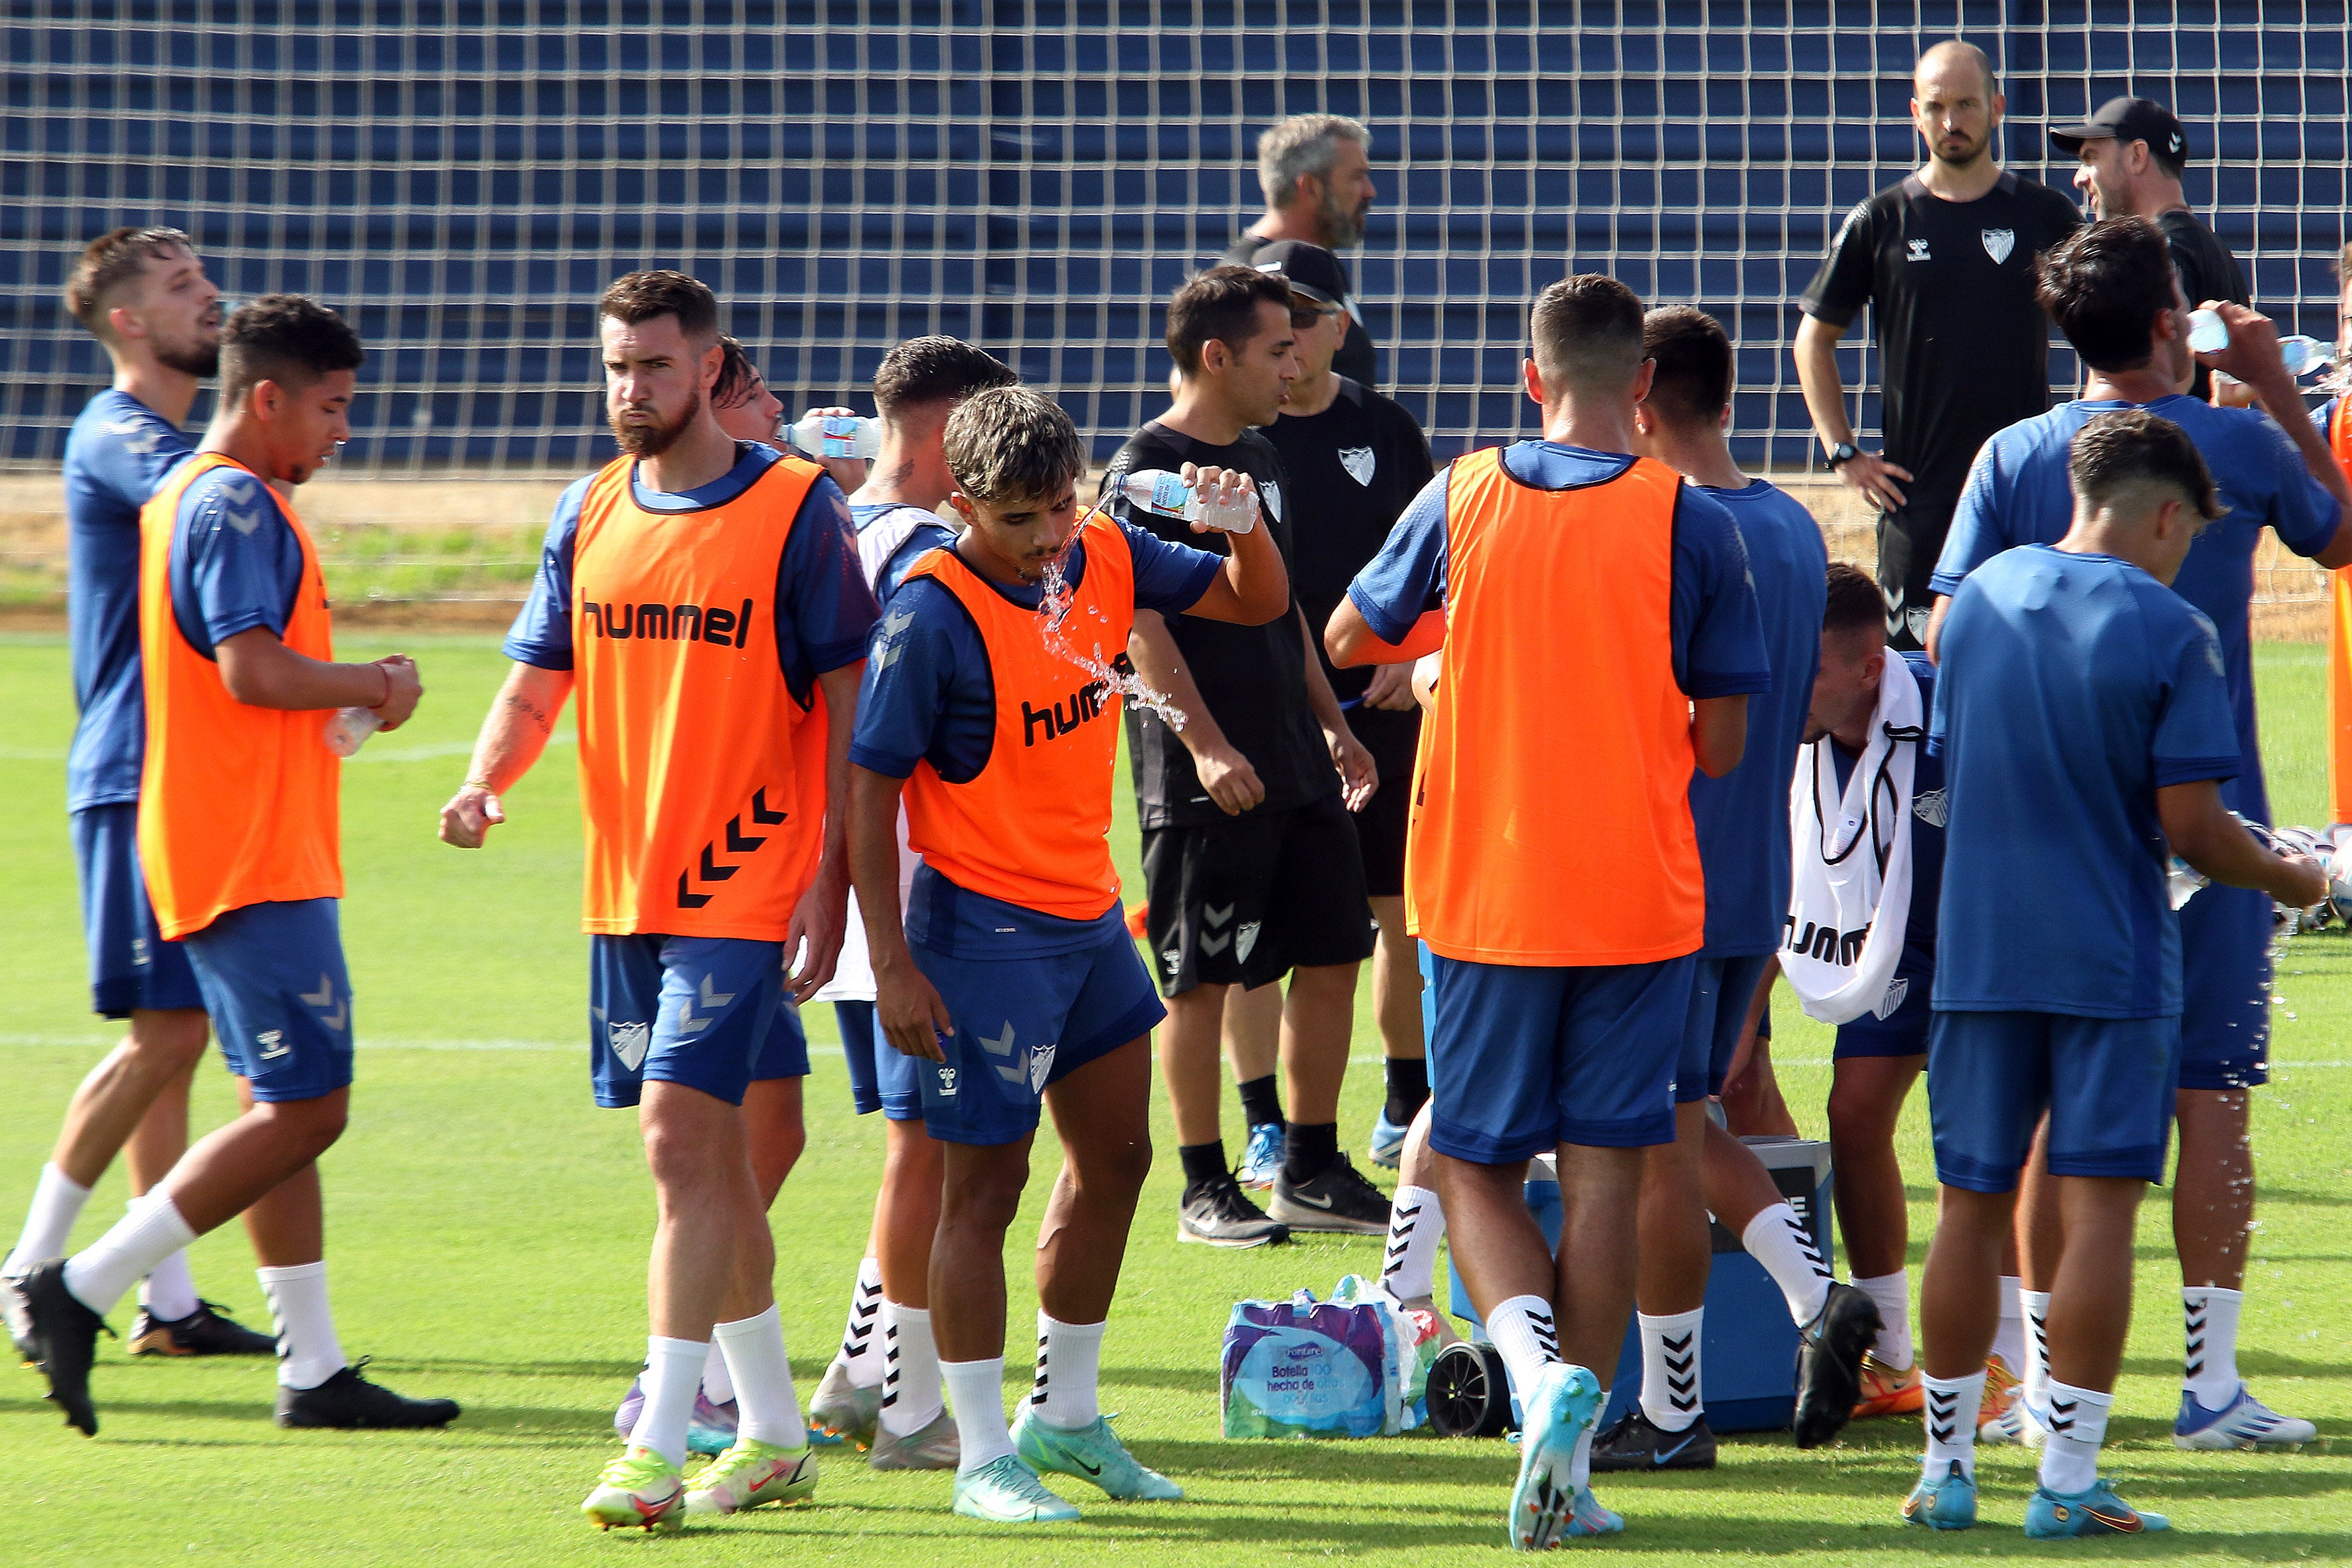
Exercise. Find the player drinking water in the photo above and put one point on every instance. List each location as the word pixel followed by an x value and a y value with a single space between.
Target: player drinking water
pixel 1012 978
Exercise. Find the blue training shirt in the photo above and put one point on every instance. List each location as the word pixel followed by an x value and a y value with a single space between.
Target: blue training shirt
pixel 117 454
pixel 928 696
pixel 1929 803
pixel 825 607
pixel 1718 639
pixel 2074 688
pixel 2017 494
pixel 236 563
pixel 1742 817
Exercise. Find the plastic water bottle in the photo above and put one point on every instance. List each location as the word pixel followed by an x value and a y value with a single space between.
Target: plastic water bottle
pixel 348 730
pixel 837 435
pixel 2209 335
pixel 1166 494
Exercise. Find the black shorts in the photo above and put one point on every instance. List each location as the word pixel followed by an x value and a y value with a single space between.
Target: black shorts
pixel 1392 738
pixel 1244 900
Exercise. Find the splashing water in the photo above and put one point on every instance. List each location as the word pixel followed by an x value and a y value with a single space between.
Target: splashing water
pixel 1052 624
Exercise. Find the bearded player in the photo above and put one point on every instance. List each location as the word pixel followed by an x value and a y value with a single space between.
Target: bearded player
pixel 701 597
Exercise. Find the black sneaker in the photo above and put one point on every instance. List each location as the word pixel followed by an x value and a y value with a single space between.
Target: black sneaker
pixel 1829 1364
pixel 207 1331
pixel 64 1340
pixel 350 1400
pixel 1337 1200
pixel 1634 1444
pixel 1217 1212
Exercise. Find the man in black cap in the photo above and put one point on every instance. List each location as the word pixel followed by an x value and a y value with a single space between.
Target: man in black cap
pixel 1946 259
pixel 1316 171
pixel 2133 152
pixel 1354 458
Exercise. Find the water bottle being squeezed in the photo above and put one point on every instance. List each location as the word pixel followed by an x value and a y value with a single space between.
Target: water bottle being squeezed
pixel 348 730
pixel 2209 335
pixel 1167 495
pixel 837 435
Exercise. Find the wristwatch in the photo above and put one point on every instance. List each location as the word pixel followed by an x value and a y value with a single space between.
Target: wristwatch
pixel 1839 453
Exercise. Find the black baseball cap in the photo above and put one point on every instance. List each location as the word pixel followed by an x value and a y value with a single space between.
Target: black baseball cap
pixel 2127 119
pixel 1308 270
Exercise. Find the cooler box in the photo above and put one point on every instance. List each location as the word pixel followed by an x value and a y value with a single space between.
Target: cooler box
pixel 1748 1347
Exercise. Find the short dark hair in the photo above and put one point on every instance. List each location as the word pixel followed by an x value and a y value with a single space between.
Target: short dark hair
pixel 934 370
pixel 2104 285
pixel 1586 332
pixel 108 263
pixel 1007 442
pixel 1219 304
pixel 2131 447
pixel 290 339
pixel 1854 602
pixel 737 374
pixel 639 297
pixel 1693 382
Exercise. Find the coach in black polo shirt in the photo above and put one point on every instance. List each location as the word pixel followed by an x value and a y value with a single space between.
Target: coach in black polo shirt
pixel 2132 153
pixel 1947 261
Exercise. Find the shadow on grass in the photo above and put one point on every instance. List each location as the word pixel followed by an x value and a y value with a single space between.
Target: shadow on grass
pixel 2251 1363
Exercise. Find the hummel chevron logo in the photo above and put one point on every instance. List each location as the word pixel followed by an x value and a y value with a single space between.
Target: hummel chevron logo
pixel 712 870
pixel 2061 1415
pixel 688 1024
pixel 342 1015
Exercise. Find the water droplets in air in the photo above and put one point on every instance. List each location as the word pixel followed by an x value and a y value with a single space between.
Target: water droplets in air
pixel 1052 618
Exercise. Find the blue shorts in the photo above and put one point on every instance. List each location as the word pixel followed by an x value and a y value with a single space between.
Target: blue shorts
pixel 273 979
pixel 131 967
pixel 708 1012
pixel 1902 1032
pixel 881 1077
pixel 2225 989
pixel 1721 989
pixel 1021 1026
pixel 2107 1083
pixel 1522 1060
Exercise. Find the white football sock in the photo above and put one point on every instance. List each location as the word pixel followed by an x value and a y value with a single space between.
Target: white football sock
pixel 1579 1463
pixel 767 1410
pixel 2209 1315
pixel 1670 1385
pixel 169 1291
pixel 1778 1240
pixel 307 1351
pixel 911 1395
pixel 1528 1339
pixel 2078 1424
pixel 861 1341
pixel 2009 1339
pixel 1416 1224
pixel 1891 1294
pixel 2035 1306
pixel 717 1383
pixel 1950 1416
pixel 673 1372
pixel 56 1204
pixel 103 1271
pixel 1069 1368
pixel 976 1393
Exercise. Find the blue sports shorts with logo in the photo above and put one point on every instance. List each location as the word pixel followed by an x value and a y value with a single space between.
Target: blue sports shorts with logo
pixel 708 1012
pixel 2107 1083
pixel 1721 989
pixel 881 1077
pixel 131 967
pixel 2225 989
pixel 1904 1031
pixel 1522 1059
pixel 1023 1024
pixel 273 980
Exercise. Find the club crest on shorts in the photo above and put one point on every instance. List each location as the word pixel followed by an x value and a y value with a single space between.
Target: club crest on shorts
pixel 1359 462
pixel 1896 989
pixel 1245 939
pixel 1998 242
pixel 1932 807
pixel 1040 1065
pixel 629 1042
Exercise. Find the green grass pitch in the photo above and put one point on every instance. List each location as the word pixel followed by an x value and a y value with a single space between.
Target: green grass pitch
pixel 488 1232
